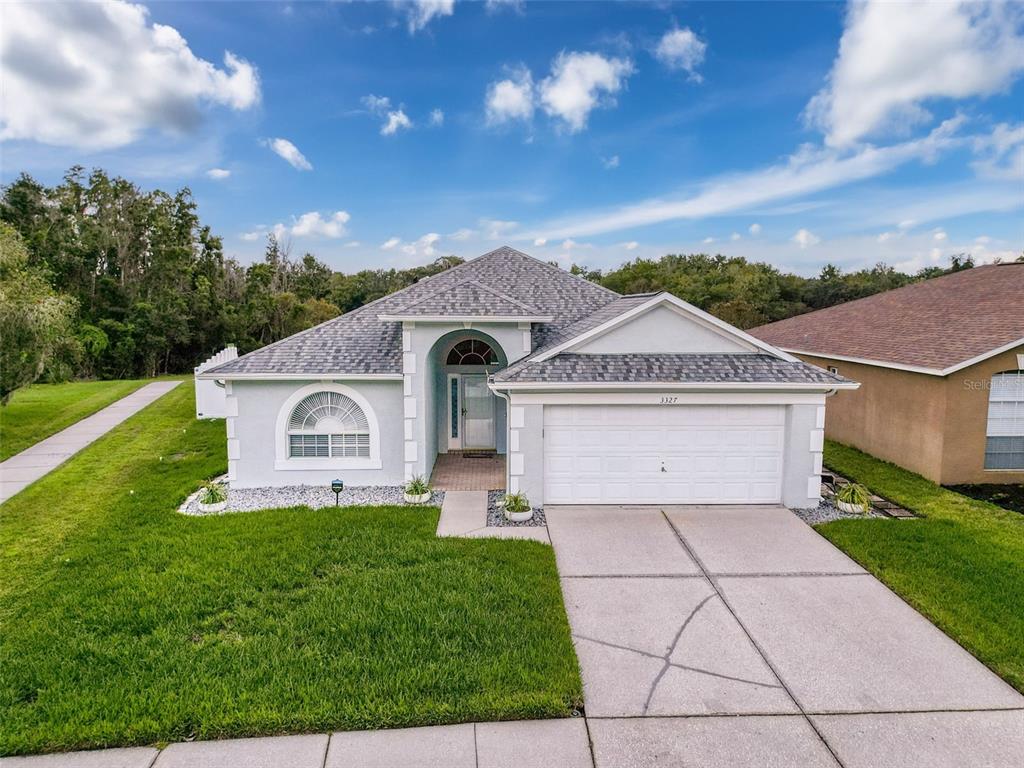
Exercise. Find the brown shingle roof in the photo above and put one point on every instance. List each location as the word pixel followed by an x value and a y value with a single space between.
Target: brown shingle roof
pixel 937 324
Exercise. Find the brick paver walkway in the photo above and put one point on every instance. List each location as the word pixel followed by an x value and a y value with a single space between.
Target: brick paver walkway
pixel 455 472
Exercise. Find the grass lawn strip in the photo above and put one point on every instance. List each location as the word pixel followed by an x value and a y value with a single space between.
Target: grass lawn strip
pixel 34 413
pixel 962 565
pixel 126 623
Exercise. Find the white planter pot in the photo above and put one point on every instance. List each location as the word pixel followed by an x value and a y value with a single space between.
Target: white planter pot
pixel 418 498
pixel 518 517
pixel 850 509
pixel 220 506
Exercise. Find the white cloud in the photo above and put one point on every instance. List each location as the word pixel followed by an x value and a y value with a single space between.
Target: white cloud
pixel 568 244
pixel 1001 154
pixel 708 240
pixel 100 75
pixel 288 151
pixel 422 247
pixel 496 6
pixel 312 224
pixel 252 236
pixel 893 57
pixel 510 99
pixel 906 224
pixel 610 162
pixel 436 117
pixel 353 244
pixel 755 229
pixel 809 170
pixel 461 234
pixel 735 236
pixel 632 245
pixel 681 49
pixel 579 83
pixel 805 238
pixel 390 243
pixel 419 13
pixel 939 235
pixel 396 122
pixel 495 229
pixel 540 241
pixel 217 174
pixel 377 105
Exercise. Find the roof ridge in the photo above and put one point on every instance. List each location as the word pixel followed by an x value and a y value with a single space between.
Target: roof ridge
pixel 469 281
pixel 552 266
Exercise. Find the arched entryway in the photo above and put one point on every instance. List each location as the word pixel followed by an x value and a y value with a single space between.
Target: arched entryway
pixel 469 419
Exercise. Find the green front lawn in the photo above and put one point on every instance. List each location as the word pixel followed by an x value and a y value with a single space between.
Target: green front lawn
pixel 126 623
pixel 962 565
pixel 36 412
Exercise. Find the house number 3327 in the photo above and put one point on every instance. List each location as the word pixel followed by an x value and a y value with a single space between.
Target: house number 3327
pixel 669 399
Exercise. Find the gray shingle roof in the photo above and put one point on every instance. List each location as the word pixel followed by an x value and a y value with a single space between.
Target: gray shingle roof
pixel 470 298
pixel 359 343
pixel 698 368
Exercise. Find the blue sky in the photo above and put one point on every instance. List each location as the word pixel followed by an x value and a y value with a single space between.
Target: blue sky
pixel 387 134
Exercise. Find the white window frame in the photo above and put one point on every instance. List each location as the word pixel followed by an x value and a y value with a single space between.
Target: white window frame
pixel 1016 429
pixel 283 461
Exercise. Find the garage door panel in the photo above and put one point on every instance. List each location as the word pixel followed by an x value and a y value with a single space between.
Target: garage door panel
pixel 672 454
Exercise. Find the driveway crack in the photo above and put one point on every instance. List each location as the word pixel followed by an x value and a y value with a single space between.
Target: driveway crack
pixel 671 649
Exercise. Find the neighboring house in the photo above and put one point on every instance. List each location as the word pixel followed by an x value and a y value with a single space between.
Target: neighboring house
pixel 941 365
pixel 594 397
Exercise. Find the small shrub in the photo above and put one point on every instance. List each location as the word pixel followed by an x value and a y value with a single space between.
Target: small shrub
pixel 856 494
pixel 213 493
pixel 516 502
pixel 417 486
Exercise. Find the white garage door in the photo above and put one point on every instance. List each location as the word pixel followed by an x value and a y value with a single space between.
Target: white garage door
pixel 672 454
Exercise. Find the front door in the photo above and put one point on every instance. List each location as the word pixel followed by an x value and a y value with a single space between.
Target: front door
pixel 477 412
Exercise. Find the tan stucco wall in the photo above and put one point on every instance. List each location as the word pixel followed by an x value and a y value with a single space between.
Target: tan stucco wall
pixel 967 393
pixel 895 415
pixel 931 425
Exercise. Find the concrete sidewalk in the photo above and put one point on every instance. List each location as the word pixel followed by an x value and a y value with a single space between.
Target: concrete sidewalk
pixel 514 744
pixel 23 469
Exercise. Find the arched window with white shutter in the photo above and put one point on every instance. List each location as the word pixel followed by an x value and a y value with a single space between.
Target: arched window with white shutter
pixel 327 426
pixel 1004 437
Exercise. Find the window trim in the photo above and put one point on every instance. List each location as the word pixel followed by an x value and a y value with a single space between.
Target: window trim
pixel 284 462
pixel 988 418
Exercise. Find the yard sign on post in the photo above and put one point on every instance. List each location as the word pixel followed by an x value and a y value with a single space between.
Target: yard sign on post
pixel 211 400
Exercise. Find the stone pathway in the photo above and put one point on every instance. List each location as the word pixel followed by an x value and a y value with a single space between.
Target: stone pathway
pixel 23 469
pixel 464 514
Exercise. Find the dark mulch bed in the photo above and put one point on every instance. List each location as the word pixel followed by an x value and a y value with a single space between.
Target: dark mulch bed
pixel 1007 496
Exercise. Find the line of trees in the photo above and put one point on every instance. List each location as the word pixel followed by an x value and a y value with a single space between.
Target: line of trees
pixel 101 279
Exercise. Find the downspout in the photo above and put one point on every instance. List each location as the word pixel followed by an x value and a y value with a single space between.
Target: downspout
pixel 508 431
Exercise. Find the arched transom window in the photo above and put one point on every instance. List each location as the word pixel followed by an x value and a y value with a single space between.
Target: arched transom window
pixel 326 425
pixel 1004 441
pixel 472 352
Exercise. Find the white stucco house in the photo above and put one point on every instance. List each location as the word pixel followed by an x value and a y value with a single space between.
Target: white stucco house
pixel 593 397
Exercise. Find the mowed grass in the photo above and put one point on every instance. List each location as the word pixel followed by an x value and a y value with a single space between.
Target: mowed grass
pixel 125 623
pixel 34 413
pixel 962 565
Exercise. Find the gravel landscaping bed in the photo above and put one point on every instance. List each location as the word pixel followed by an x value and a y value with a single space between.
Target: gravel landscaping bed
pixel 496 517
pixel 315 497
pixel 826 512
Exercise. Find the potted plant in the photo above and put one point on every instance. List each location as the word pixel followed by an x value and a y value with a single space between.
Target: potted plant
pixel 853 498
pixel 517 507
pixel 417 491
pixel 213 498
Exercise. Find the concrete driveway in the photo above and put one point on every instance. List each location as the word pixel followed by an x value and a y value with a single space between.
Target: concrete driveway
pixel 735 636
